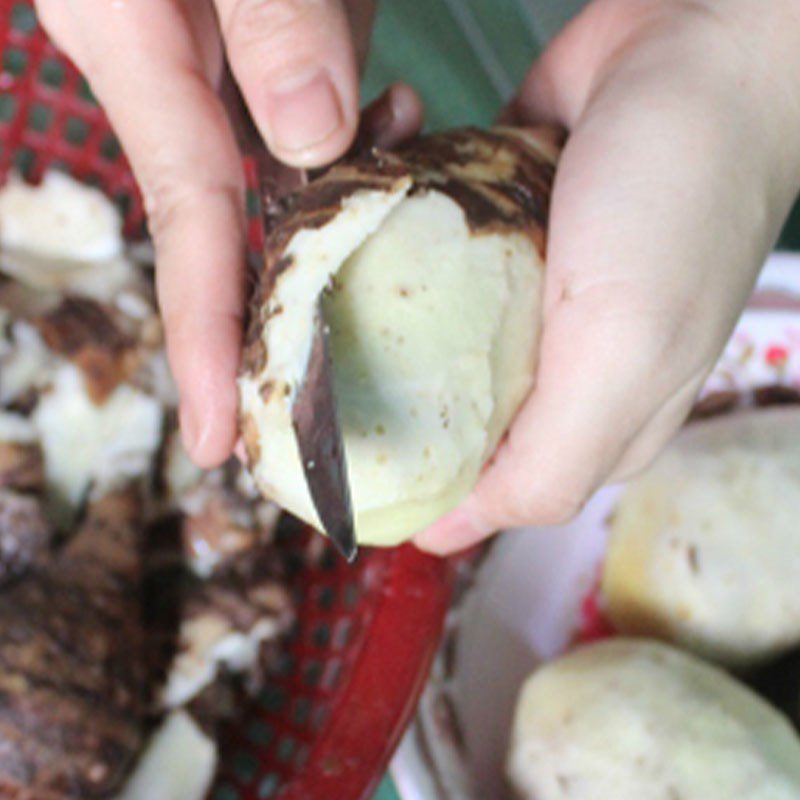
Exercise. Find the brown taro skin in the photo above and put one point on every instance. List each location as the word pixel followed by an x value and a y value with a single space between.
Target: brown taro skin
pixel 25 534
pixel 91 335
pixel 500 177
pixel 71 672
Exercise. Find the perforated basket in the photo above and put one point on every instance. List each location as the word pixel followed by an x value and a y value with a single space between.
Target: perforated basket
pixel 326 724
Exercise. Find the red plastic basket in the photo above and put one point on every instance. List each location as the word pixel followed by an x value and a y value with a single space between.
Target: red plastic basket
pixel 327 723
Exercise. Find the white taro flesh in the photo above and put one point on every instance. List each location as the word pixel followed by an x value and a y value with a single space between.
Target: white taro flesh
pixel 705 548
pixel 62 235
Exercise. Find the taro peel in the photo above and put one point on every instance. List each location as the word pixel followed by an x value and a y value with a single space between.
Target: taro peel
pixel 429 262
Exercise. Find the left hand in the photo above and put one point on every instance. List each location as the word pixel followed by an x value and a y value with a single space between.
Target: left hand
pixel 155 67
pixel 680 169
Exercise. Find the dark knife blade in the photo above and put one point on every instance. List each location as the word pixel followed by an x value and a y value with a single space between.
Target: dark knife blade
pixel 314 417
pixel 319 439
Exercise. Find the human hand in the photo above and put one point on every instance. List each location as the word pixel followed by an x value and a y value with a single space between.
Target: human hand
pixel 155 67
pixel 681 166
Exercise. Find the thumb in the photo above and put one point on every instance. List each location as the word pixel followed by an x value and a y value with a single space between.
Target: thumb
pixel 295 63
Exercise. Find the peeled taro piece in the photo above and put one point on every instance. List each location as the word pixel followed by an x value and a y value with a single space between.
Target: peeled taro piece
pixel 84 443
pixel 631 719
pixel 62 236
pixel 429 262
pixel 703 547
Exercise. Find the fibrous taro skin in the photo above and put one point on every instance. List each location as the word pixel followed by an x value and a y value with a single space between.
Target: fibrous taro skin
pixel 430 263
pixel 72 683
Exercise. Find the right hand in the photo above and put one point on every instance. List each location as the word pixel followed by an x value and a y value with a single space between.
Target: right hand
pixel 155 67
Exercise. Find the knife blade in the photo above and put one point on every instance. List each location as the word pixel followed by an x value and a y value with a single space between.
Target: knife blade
pixel 314 415
pixel 319 439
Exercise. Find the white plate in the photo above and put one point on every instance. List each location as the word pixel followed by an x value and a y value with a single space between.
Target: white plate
pixel 524 605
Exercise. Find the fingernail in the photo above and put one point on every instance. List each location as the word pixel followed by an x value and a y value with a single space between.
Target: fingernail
pixel 303 114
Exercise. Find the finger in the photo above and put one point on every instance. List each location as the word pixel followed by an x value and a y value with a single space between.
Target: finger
pixel 391 119
pixel 144 66
pixel 559 85
pixel 295 63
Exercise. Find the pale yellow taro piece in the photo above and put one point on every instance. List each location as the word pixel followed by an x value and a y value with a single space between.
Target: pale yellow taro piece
pixel 430 266
pixel 636 720
pixel 705 545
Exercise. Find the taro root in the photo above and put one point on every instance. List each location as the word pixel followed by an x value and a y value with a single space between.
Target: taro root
pixel 72 682
pixel 429 262
pixel 215 593
pixel 21 465
pixel 635 720
pixel 704 547
pixel 82 347
pixel 226 621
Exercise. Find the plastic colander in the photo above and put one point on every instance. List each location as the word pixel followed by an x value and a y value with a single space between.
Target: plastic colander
pixel 327 722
